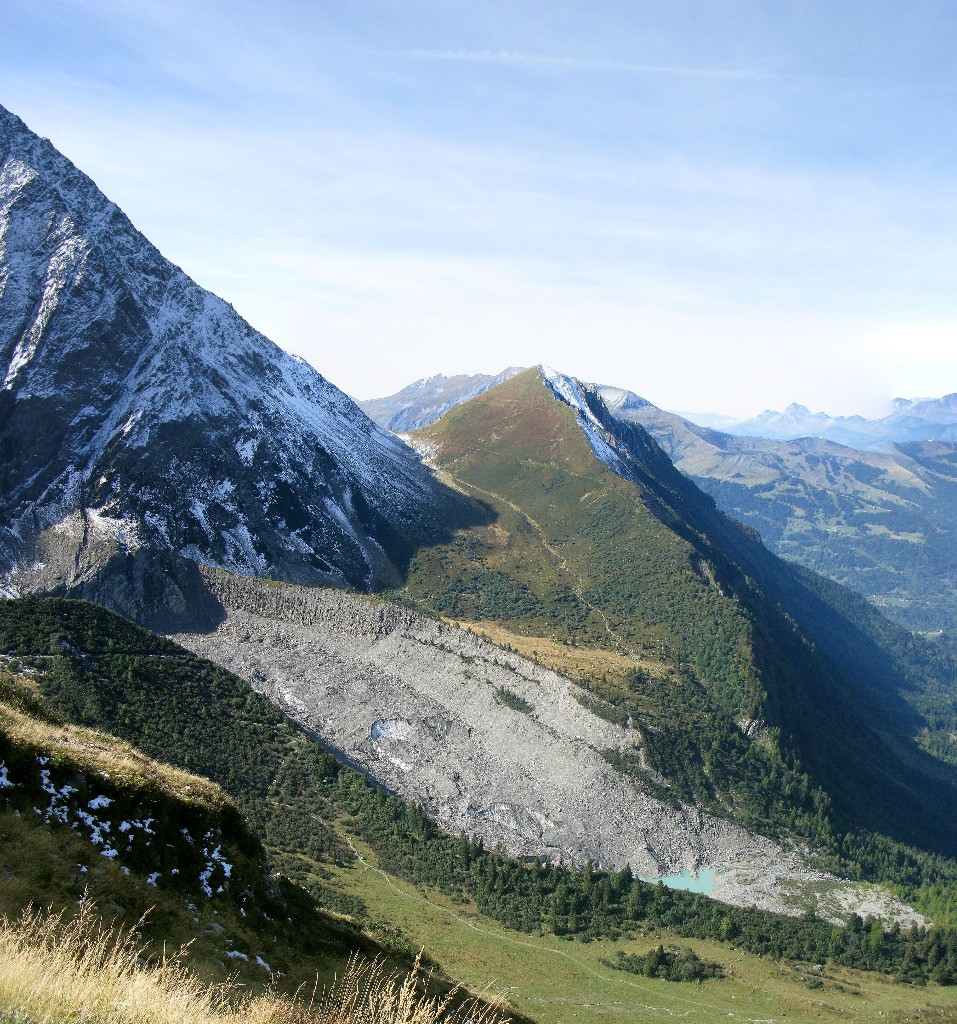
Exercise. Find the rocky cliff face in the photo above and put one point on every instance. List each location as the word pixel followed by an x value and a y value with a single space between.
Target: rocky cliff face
pixel 138 410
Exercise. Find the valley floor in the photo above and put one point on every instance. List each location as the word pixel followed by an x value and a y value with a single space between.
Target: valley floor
pixel 554 981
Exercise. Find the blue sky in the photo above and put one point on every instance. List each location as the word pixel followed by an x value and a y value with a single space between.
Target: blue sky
pixel 723 206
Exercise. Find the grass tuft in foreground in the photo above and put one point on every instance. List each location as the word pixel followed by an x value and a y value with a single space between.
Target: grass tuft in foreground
pixel 55 969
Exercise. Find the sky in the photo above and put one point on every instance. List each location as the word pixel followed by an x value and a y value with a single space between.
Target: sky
pixel 722 205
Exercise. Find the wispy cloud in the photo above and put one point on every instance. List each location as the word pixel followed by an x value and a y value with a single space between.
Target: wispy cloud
pixel 544 60
pixel 691 211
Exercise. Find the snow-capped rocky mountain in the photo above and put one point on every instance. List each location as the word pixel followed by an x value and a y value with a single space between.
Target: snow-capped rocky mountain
pixel 139 410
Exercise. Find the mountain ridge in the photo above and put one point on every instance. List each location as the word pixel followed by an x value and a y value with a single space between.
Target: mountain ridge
pixel 877 521
pixel 660 571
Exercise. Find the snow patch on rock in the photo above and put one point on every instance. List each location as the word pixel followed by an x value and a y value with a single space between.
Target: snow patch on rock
pixel 567 390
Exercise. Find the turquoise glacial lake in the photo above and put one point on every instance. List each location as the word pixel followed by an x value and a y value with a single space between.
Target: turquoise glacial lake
pixel 703 881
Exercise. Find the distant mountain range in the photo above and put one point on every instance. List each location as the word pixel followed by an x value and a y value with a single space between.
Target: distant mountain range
pixel 425 400
pixel 882 522
pixel 912 419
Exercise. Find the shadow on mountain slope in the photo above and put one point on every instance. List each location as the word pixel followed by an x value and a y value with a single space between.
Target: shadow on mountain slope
pixel 847 687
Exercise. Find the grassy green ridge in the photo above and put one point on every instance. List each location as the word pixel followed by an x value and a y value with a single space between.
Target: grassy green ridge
pixel 642 563
pixel 178 707
pixel 572 551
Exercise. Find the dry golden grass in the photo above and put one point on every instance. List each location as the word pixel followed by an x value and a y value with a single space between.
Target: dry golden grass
pixel 55 969
pixel 583 663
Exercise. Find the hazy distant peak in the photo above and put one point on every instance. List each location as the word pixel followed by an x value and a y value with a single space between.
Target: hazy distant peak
pixel 424 401
pixel 937 409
